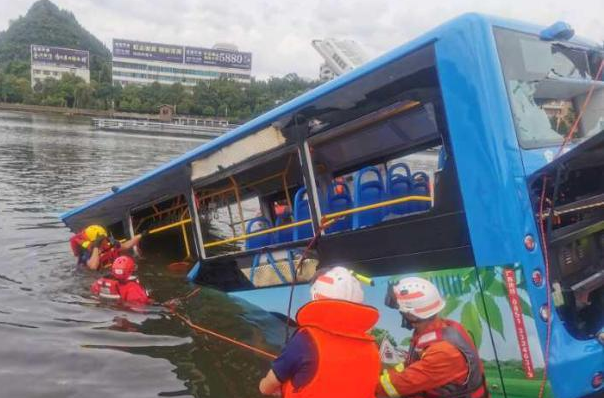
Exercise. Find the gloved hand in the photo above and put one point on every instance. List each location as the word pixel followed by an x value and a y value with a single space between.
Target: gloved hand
pixel 98 241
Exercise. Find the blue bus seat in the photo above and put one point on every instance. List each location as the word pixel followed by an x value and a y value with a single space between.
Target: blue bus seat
pixel 254 225
pixel 367 193
pixel 421 187
pixel 302 212
pixel 338 202
pixel 285 235
pixel 398 186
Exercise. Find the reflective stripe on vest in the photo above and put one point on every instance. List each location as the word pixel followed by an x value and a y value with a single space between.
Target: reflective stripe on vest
pixel 109 289
pixel 475 385
pixel 348 358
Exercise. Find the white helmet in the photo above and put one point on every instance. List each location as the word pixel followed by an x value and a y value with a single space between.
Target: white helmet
pixel 336 283
pixel 418 297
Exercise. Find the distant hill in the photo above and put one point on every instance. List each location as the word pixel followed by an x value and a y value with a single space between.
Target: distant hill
pixel 46 24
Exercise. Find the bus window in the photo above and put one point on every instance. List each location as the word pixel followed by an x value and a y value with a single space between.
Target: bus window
pixel 252 208
pixel 383 171
pixel 174 241
pixel 547 82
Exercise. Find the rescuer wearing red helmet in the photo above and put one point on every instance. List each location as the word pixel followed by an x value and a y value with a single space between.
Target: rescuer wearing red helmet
pixel 331 354
pixel 95 249
pixel 442 360
pixel 121 285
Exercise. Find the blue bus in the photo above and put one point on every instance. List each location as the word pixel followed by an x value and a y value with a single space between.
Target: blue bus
pixel 472 155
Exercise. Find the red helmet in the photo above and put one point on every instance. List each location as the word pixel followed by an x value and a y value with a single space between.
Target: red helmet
pixel 122 267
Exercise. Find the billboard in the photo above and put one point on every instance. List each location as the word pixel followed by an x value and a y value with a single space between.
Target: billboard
pixel 181 55
pixel 222 58
pixel 59 56
pixel 149 51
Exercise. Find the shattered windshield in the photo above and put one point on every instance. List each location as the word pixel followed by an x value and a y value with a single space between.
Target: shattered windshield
pixel 547 84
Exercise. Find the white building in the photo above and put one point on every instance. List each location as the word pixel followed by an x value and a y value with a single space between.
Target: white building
pixel 54 62
pixel 144 63
pixel 340 56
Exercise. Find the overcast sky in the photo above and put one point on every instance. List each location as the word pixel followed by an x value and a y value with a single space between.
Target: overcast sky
pixel 278 32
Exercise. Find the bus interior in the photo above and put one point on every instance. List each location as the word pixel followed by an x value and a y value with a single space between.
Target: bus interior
pixel 383 188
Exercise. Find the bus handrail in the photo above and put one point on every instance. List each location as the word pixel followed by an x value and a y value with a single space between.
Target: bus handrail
pixel 330 216
pixel 327 217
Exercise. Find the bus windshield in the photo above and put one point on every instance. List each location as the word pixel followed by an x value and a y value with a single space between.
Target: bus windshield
pixel 547 83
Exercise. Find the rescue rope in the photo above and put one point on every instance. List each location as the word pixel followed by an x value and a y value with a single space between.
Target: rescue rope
pixel 324 224
pixel 222 337
pixel 547 288
pixel 567 138
pixel 575 125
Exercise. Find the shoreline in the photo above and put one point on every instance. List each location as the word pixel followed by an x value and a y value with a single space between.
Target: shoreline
pixel 76 111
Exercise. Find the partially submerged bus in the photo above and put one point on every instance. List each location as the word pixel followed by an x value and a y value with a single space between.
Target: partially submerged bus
pixel 472 155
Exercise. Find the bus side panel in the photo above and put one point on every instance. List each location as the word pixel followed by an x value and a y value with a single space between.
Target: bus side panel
pixel 488 161
pixel 458 286
pixel 507 310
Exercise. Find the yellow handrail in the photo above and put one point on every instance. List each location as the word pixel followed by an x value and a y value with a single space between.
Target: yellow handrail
pixel 253 234
pixel 377 205
pixel 330 216
pixel 166 227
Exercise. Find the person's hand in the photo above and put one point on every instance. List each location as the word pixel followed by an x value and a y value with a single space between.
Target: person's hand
pixel 172 304
pixel 98 241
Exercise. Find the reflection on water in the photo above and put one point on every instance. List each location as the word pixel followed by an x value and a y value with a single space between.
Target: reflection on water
pixel 56 339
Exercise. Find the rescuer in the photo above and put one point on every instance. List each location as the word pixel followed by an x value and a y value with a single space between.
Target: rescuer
pixel 121 285
pixel 331 354
pixel 94 249
pixel 442 360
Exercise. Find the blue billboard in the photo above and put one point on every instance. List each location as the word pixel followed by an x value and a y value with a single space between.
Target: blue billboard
pixel 149 51
pixel 59 56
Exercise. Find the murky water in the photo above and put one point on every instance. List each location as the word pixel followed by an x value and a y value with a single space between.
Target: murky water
pixel 55 339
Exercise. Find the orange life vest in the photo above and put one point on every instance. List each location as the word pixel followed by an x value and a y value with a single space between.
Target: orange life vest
pixel 349 361
pixel 453 333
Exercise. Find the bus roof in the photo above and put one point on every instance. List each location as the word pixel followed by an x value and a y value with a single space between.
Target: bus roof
pixel 173 177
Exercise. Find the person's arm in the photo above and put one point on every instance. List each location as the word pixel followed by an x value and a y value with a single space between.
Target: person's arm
pixel 440 364
pixel 130 243
pixel 95 259
pixel 270 385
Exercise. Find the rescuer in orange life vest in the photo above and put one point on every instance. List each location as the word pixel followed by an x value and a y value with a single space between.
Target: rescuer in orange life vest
pixel 121 285
pixel 442 361
pixel 95 249
pixel 331 354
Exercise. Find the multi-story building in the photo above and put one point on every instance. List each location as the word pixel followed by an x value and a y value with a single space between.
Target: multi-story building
pixel 340 56
pixel 54 62
pixel 142 63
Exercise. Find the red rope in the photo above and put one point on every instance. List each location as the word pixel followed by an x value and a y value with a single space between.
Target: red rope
pixel 324 224
pixel 224 338
pixel 547 287
pixel 567 139
pixel 575 125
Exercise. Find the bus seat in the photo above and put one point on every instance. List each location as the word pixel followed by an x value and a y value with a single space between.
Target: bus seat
pixel 254 225
pixel 420 176
pixel 339 199
pixel 421 187
pixel 398 186
pixel 367 193
pixel 302 212
pixel 285 235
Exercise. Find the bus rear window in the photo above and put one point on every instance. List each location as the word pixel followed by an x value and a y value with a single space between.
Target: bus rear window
pixel 547 84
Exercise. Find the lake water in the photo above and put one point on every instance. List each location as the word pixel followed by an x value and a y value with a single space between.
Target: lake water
pixel 58 341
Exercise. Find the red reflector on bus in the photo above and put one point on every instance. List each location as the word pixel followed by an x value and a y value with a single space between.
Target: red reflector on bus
pixel 529 242
pixel 537 278
pixel 596 381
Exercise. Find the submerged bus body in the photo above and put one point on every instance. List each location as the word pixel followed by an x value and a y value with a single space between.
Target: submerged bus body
pixel 437 159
